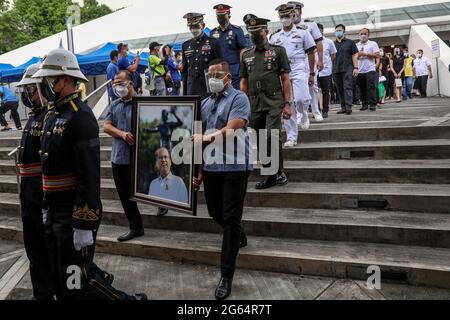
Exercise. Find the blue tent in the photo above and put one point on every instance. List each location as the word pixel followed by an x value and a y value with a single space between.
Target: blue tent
pixel 5 66
pixel 15 74
pixel 95 63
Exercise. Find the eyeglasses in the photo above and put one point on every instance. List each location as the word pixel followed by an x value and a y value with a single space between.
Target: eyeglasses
pixel 217 75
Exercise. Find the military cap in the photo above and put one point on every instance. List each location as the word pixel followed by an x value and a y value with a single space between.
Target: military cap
pixel 193 18
pixel 222 9
pixel 256 24
pixel 298 5
pixel 285 9
pixel 248 16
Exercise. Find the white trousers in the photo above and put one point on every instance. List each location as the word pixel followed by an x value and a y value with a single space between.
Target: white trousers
pixel 301 99
pixel 314 92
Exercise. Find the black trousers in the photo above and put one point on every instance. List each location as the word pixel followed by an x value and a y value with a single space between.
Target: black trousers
pixel 422 83
pixel 31 196
pixel 59 238
pixel 121 175
pixel 367 86
pixel 225 194
pixel 390 91
pixel 10 106
pixel 325 85
pixel 344 87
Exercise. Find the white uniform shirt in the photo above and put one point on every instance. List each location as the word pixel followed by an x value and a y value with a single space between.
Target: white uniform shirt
pixel 314 30
pixel 170 188
pixel 328 49
pixel 298 43
pixel 421 66
pixel 366 64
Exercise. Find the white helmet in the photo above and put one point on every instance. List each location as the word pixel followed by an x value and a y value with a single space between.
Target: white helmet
pixel 60 62
pixel 26 79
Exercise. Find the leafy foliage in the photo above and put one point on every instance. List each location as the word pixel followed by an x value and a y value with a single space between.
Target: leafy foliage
pixel 27 21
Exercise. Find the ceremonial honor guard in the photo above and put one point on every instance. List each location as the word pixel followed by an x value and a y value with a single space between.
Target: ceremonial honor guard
pixel 265 78
pixel 70 157
pixel 31 194
pixel 232 40
pixel 300 47
pixel 197 54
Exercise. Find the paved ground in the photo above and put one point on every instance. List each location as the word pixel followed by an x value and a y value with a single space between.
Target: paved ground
pixel 166 280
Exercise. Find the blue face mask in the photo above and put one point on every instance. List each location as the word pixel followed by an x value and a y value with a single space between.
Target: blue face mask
pixel 339 34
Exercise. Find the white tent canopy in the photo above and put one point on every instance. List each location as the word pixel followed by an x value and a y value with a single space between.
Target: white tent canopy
pixel 144 19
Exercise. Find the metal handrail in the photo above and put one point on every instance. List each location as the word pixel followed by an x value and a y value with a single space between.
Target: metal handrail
pixel 15 153
pixel 97 90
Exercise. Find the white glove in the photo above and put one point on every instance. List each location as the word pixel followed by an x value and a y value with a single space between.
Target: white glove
pixel 44 216
pixel 82 239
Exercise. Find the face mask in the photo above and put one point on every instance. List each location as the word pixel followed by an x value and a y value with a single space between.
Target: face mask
pixel 339 34
pixel 419 55
pixel 26 100
pixel 121 91
pixel 364 38
pixel 287 22
pixel 196 32
pixel 382 53
pixel 257 39
pixel 48 89
pixel 222 20
pixel 216 85
pixel 406 54
pixel 397 53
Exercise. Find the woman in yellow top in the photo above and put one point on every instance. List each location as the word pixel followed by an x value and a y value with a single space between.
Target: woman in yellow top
pixel 408 81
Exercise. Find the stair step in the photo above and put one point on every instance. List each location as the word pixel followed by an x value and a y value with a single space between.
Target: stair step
pixel 375 150
pixel 433 171
pixel 409 264
pixel 405 228
pixel 394 197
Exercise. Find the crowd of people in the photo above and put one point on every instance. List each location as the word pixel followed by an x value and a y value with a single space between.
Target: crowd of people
pixel 258 82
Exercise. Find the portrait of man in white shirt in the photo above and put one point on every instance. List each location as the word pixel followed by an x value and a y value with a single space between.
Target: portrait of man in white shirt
pixel 167 186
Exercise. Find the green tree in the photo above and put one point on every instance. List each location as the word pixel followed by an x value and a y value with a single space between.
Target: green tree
pixel 30 20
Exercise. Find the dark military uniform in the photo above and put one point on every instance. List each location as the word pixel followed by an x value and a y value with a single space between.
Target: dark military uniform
pixel 232 41
pixel 197 54
pixel 31 196
pixel 71 182
pixel 263 68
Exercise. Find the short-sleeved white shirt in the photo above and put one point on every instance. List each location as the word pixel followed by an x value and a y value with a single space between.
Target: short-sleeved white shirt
pixel 367 64
pixel 296 42
pixel 328 49
pixel 421 66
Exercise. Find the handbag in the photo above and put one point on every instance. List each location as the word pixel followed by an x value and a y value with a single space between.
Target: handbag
pixel 398 82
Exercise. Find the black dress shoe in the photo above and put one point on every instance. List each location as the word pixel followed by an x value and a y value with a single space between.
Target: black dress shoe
pixel 223 289
pixel 282 179
pixel 348 112
pixel 243 242
pixel 162 212
pixel 373 108
pixel 141 297
pixel 266 184
pixel 130 235
pixel 325 115
pixel 364 108
pixel 342 112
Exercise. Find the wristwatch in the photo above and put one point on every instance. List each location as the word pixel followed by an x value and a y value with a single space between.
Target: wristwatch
pixel 312 73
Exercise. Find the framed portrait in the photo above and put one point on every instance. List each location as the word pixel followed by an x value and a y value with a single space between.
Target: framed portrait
pixel 163 155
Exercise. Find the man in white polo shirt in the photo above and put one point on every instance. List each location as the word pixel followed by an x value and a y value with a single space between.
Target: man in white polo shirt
pixel 368 53
pixel 422 72
pixel 329 54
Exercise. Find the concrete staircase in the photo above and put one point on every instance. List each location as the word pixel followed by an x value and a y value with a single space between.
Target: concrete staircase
pixel 357 197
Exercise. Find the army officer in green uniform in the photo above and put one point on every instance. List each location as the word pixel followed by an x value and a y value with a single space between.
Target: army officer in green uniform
pixel 265 78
